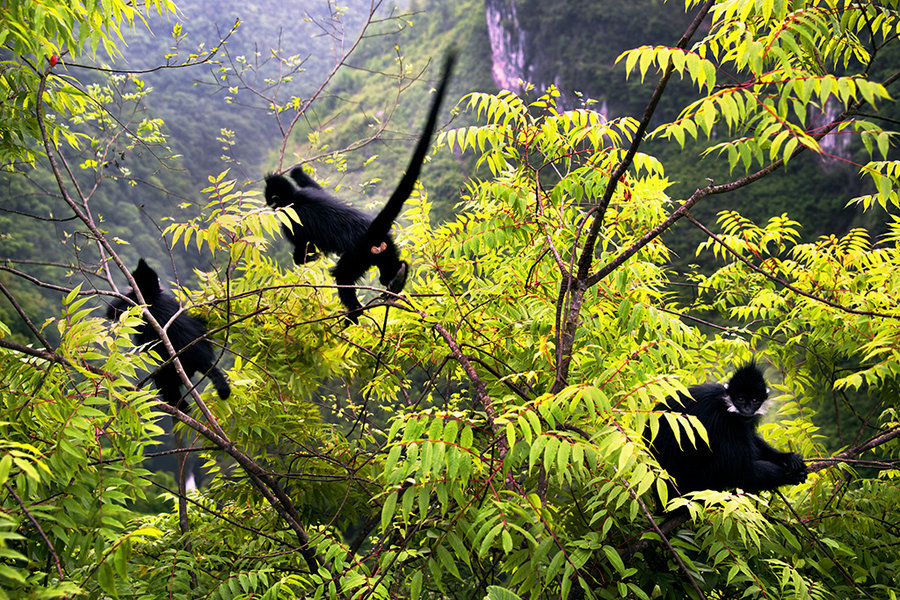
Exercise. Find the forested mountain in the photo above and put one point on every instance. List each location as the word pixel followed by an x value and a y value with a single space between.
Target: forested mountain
pixel 546 399
pixel 184 123
pixel 214 116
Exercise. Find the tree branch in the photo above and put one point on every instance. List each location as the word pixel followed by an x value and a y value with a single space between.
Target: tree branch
pixel 584 264
pixel 572 290
pixel 37 526
pixel 780 281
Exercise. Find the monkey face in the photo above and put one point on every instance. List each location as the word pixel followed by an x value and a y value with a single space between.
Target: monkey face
pixel 746 406
pixel 746 393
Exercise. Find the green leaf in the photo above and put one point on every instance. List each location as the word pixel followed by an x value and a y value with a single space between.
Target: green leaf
pixel 415 586
pixel 498 593
pixel 5 464
pixel 387 510
pixel 614 559
pixel 106 578
pixel 536 451
pixel 447 561
pixel 10 573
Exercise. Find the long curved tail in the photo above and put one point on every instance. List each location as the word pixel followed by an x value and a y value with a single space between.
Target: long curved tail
pixel 382 222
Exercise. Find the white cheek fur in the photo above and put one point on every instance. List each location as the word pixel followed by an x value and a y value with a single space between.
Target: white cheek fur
pixel 729 405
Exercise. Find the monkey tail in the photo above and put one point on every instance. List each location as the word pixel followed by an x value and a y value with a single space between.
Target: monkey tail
pixel 382 222
pixel 220 381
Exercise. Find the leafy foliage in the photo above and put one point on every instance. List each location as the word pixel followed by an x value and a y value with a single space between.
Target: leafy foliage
pixel 485 433
pixel 41 36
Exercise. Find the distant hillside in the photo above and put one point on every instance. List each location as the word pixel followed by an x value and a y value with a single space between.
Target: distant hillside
pixel 364 97
pixel 573 44
pixel 216 121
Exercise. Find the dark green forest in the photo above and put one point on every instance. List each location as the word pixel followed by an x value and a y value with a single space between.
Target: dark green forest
pixel 212 120
pixel 665 193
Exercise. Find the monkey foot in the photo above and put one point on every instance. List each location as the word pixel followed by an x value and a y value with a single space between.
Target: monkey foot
pixel 396 284
pixel 351 317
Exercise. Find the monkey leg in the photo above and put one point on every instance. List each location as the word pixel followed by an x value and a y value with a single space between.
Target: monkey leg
pixel 169 385
pixel 346 272
pixel 304 249
pixel 219 381
pixel 305 253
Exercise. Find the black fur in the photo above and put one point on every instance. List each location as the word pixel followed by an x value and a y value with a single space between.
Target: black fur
pixel 737 457
pixel 331 226
pixel 198 358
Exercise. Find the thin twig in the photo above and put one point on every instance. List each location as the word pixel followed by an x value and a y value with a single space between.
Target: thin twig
pixel 39 529
pixel 37 333
pixel 815 540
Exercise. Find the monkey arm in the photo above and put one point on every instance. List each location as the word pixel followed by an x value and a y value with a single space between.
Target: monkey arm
pixel 773 467
pixel 767 475
pixel 304 249
pixel 791 461
pixel 766 451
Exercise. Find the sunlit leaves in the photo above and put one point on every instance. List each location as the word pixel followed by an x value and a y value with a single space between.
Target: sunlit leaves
pixel 89 481
pixel 701 71
pixel 34 32
pixel 885 175
pixel 786 68
pixel 496 260
pixel 852 281
pixel 513 131
pixel 233 219
pixel 449 452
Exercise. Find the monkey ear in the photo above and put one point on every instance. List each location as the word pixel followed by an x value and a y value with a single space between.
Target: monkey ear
pixel 302 179
pixel 147 280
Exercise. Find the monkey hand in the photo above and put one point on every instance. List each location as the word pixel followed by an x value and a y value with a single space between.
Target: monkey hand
pixel 379 248
pixel 351 318
pixel 795 468
pixel 396 284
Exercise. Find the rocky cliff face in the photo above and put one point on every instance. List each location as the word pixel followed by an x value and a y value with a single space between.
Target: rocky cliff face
pixel 507 44
pixel 543 44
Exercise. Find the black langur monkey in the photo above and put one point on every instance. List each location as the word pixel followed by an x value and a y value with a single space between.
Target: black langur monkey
pixel 184 331
pixel 736 457
pixel 331 226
